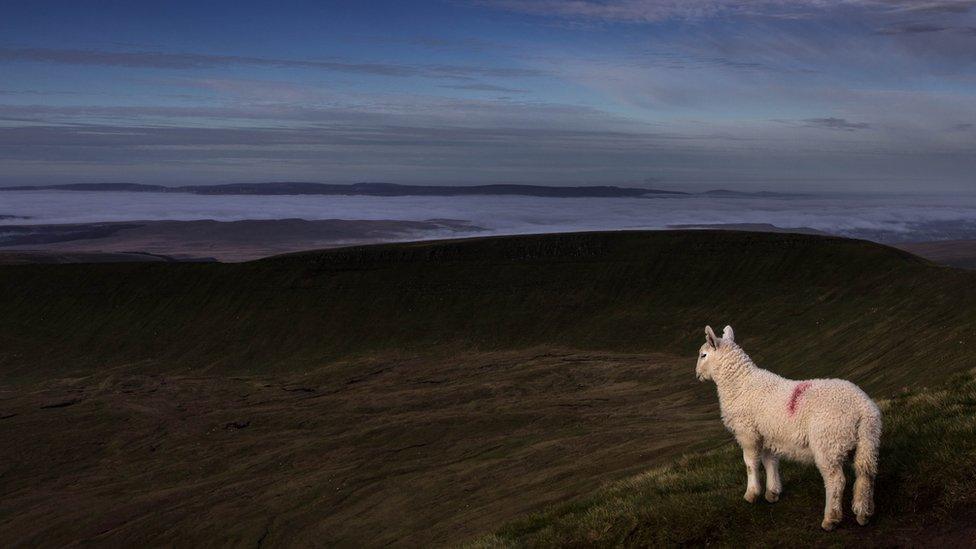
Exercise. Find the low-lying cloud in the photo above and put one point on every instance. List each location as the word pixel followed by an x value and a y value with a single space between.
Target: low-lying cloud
pixel 889 218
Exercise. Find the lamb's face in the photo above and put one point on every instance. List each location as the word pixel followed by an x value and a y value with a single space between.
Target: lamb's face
pixel 708 354
pixel 705 358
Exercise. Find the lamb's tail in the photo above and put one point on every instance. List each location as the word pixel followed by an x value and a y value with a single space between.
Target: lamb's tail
pixel 866 462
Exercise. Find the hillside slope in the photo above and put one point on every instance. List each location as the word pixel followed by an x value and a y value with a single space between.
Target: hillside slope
pixel 815 304
pixel 421 393
pixel 926 494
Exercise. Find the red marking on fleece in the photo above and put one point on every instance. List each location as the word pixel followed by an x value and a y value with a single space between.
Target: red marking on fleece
pixel 795 397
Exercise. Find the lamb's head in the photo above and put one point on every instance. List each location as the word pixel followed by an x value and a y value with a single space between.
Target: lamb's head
pixel 711 352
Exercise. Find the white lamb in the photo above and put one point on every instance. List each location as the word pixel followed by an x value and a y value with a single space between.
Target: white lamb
pixel 819 420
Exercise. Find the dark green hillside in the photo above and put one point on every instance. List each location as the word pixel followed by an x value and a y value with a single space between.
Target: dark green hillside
pixel 424 394
pixel 811 305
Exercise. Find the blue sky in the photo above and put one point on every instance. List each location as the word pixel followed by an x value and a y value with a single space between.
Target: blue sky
pixel 758 94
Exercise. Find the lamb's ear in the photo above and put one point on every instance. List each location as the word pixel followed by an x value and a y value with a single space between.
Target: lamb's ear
pixel 728 335
pixel 710 338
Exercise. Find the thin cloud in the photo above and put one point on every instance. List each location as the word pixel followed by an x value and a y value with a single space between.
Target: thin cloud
pixel 484 87
pixel 438 43
pixel 40 93
pixel 38 140
pixel 647 11
pixel 913 28
pixel 946 6
pixel 841 124
pixel 169 60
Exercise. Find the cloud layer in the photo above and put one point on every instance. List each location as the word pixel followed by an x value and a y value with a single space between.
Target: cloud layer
pixel 887 219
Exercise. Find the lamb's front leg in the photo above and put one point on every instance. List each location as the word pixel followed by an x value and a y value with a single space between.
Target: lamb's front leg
pixel 750 454
pixel 774 486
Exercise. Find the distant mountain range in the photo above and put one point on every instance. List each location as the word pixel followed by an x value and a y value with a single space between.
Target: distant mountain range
pixel 392 189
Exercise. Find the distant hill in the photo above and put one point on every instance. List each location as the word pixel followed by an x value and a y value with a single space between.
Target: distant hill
pixel 359 189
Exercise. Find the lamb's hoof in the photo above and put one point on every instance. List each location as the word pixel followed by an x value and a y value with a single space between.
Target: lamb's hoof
pixel 751 497
pixel 772 497
pixel 829 524
pixel 863 519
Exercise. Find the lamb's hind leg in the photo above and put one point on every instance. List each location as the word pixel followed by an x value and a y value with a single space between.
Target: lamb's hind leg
pixel 832 470
pixel 863 502
pixel 750 454
pixel 774 486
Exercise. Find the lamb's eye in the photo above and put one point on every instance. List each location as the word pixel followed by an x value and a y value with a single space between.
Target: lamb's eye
pixel 703 355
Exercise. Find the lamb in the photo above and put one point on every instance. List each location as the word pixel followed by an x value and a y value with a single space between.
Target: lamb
pixel 817 420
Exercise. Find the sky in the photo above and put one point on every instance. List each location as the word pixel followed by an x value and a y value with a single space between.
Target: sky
pixel 833 95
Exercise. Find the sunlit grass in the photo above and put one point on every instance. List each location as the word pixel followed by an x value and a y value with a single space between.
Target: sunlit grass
pixel 927 475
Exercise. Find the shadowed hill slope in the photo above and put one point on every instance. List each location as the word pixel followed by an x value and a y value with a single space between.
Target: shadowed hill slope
pixel 817 305
pixel 421 394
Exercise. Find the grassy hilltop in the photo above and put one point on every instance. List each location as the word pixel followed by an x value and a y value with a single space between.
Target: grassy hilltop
pixel 425 393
